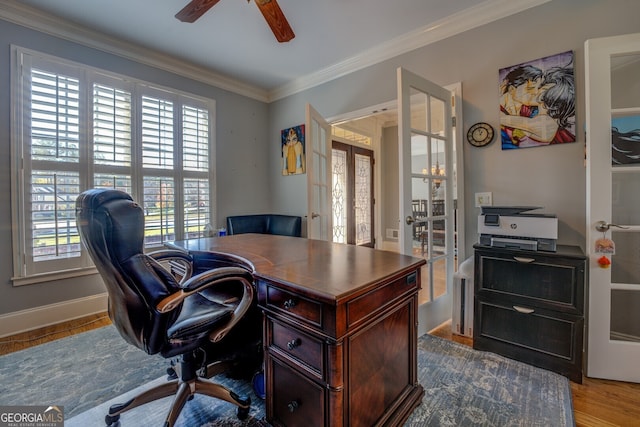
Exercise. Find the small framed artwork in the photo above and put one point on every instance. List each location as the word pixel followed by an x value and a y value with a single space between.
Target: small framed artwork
pixel 537 102
pixel 293 150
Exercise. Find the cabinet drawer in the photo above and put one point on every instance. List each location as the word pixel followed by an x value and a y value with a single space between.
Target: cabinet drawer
pixel 297 401
pixel 294 305
pixel 550 333
pixel 298 345
pixel 550 281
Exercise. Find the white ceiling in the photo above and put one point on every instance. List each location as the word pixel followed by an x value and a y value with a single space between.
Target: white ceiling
pixel 232 40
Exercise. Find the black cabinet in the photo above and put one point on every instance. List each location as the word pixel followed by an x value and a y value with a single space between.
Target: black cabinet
pixel 530 305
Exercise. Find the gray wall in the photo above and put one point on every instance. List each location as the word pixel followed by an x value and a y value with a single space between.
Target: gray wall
pixel 389 170
pixel 551 177
pixel 242 146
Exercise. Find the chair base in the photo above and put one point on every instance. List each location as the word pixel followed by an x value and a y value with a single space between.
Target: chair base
pixel 184 389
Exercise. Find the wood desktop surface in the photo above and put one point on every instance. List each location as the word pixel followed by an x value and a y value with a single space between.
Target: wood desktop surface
pixel 328 272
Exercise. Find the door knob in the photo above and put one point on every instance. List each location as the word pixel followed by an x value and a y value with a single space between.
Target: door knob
pixel 314 215
pixel 410 220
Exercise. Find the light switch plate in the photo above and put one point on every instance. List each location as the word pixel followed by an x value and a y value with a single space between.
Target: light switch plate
pixel 484 199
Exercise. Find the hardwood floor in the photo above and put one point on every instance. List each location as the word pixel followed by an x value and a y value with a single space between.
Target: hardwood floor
pixel 51 333
pixel 596 403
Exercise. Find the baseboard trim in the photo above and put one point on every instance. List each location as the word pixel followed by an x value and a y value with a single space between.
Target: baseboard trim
pixel 39 317
pixel 620 336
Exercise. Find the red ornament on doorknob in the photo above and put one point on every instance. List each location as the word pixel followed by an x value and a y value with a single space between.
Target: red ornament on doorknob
pixel 604 262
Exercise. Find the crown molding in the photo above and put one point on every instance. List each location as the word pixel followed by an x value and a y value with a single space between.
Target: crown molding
pixel 28 17
pixel 481 14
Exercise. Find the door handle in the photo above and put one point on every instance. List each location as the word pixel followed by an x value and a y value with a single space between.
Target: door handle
pixel 314 215
pixel 410 220
pixel 603 226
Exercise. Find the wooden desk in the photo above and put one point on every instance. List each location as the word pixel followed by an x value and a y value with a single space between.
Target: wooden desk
pixel 340 325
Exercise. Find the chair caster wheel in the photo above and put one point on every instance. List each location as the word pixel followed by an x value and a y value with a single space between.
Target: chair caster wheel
pixel 243 413
pixel 112 420
pixel 171 374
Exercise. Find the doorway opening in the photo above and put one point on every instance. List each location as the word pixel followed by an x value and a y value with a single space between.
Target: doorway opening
pixel 380 124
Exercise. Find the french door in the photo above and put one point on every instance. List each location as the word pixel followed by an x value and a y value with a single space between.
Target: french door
pixel 318 160
pixel 612 71
pixel 426 211
pixel 352 191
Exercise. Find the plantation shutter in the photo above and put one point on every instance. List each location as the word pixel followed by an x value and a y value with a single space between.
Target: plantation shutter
pixel 157 155
pixel 112 137
pixel 196 153
pixel 52 161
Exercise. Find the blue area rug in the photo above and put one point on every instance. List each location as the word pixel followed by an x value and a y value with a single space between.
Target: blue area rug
pixel 466 387
pixel 463 387
pixel 77 372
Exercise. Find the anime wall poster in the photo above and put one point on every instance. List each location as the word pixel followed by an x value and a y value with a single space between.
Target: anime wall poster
pixel 293 150
pixel 537 102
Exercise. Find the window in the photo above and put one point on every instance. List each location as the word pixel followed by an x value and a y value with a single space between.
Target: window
pixel 80 128
pixel 350 135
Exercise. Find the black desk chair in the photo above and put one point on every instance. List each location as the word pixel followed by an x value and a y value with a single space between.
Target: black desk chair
pixel 161 310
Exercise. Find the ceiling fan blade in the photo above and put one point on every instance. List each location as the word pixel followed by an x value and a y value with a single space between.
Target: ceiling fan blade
pixel 195 9
pixel 276 19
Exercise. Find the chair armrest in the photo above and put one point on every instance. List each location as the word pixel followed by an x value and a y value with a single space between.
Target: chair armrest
pixel 207 280
pixel 178 263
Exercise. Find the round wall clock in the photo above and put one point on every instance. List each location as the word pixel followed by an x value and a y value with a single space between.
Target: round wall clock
pixel 480 134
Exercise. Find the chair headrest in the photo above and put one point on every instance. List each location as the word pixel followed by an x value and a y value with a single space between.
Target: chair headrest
pixel 111 218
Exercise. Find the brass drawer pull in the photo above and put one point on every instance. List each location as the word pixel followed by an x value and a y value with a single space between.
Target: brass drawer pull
pixel 524 260
pixel 289 304
pixel 523 310
pixel 294 343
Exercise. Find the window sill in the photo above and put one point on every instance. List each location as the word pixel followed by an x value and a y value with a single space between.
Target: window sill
pixel 49 277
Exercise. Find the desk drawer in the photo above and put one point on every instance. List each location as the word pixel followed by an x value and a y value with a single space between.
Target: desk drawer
pixel 298 345
pixel 379 299
pixel 297 401
pixel 294 305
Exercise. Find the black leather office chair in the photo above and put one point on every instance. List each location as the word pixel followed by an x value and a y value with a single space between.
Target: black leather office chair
pixel 164 310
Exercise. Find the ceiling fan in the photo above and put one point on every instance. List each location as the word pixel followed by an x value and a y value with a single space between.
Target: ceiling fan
pixel 269 8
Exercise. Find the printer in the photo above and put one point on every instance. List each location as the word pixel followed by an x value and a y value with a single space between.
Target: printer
pixel 515 227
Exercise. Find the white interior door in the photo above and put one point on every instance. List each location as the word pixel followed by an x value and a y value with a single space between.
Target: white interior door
pixel 612 74
pixel 426 190
pixel 318 159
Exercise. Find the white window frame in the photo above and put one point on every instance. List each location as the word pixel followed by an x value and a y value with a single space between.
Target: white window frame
pixel 26 269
